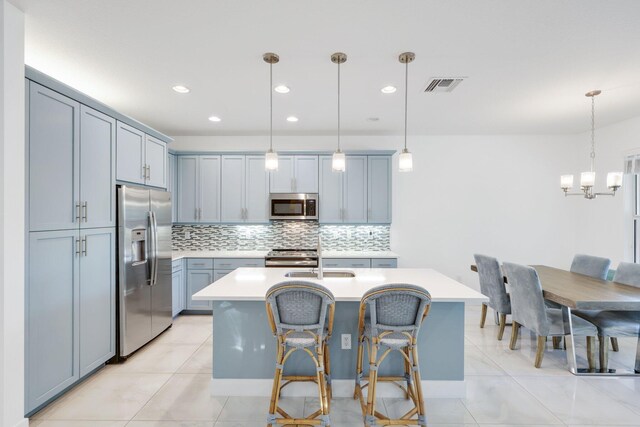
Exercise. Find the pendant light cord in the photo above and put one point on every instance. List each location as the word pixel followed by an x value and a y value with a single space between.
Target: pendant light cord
pixel 406 91
pixel 270 107
pixel 593 133
pixel 338 105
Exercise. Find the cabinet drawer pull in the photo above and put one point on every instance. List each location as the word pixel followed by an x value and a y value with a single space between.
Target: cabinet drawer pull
pixel 197 263
pixel 86 211
pixel 77 217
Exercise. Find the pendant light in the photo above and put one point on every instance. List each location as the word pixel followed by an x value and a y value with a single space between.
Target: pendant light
pixel 338 161
pixel 405 160
pixel 271 157
pixel 588 179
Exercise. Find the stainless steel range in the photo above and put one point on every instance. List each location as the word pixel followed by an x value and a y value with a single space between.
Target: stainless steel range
pixel 306 258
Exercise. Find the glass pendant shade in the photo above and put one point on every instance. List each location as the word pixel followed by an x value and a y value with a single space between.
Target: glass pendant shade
pixel 338 161
pixel 405 161
pixel 566 182
pixel 587 179
pixel 614 180
pixel 271 160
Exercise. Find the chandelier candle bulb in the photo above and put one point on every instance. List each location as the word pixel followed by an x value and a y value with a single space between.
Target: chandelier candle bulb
pixel 271 160
pixel 338 162
pixel 614 180
pixel 405 161
pixel 566 182
pixel 587 179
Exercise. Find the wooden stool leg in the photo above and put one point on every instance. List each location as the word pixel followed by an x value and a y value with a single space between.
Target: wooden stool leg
pixel 556 342
pixel 604 353
pixel 327 369
pixel 373 372
pixel 503 323
pixel 277 377
pixel 358 390
pixel 422 419
pixel 407 371
pixel 515 327
pixel 591 352
pixel 614 344
pixel 483 315
pixel 322 384
pixel 540 351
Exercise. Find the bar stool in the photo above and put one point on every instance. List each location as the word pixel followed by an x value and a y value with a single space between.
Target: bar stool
pixel 301 318
pixel 389 319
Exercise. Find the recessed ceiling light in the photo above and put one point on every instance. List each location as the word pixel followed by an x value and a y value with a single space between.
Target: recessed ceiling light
pixel 181 89
pixel 388 89
pixel 215 119
pixel 292 119
pixel 282 89
pixel 373 119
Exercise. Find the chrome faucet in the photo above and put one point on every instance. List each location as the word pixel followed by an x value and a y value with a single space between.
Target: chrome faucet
pixel 320 272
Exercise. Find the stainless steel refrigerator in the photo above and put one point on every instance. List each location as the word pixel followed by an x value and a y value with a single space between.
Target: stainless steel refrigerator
pixel 144 276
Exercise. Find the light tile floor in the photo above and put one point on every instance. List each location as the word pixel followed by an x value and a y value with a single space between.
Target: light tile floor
pixel 167 385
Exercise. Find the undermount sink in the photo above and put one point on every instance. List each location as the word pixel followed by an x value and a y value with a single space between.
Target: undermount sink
pixel 326 274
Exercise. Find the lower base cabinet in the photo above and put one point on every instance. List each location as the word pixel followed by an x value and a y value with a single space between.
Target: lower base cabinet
pixel 196 281
pixel 178 289
pixel 70 309
pixel 360 262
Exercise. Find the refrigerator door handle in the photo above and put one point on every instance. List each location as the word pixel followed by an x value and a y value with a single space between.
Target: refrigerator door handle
pixel 151 249
pixel 155 248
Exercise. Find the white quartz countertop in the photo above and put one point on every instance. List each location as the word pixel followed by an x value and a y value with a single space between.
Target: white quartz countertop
pixel 251 284
pixel 176 255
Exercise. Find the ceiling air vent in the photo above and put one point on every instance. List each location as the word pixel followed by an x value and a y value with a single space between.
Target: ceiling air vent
pixel 443 84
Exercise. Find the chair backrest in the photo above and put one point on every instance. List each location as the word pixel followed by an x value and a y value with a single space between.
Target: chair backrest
pixel 628 273
pixel 396 307
pixel 527 302
pixel 299 306
pixel 492 283
pixel 592 266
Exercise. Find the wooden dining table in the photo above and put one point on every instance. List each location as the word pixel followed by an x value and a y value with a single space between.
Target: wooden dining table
pixel 575 291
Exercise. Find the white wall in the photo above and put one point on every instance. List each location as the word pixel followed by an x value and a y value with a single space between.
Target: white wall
pixel 491 194
pixel 603 225
pixel 12 189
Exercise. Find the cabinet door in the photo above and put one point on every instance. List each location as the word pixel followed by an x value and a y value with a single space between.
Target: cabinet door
pixel 197 280
pixel 52 305
pixel 130 154
pixel 379 189
pixel 330 196
pixel 306 174
pixel 256 190
pixel 281 181
pixel 97 298
pixel 219 274
pixel 54 149
pixel 346 262
pixel 178 292
pixel 97 169
pixel 209 188
pixel 187 198
pixel 156 161
pixel 232 189
pixel 355 190
pixel 172 185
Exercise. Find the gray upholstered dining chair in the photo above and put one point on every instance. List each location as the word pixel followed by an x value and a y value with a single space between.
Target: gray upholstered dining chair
pixel 529 310
pixel 492 286
pixel 301 317
pixel 616 323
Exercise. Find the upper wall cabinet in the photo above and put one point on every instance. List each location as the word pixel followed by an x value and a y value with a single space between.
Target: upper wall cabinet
pixel 172 185
pixel 198 189
pixel 379 190
pixel 71 163
pixel 244 189
pixel 295 174
pixel 142 159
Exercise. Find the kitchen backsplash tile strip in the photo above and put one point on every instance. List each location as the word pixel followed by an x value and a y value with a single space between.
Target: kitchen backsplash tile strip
pixel 281 235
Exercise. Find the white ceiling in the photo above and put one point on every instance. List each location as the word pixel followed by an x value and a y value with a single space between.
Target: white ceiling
pixel 529 62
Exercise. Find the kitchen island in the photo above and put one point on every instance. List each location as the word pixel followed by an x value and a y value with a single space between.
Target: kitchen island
pixel 244 348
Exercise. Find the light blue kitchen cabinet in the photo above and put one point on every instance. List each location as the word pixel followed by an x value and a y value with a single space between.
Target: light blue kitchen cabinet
pixel 232 189
pixel 179 291
pixel 209 189
pixel 331 194
pixel 343 195
pixel 346 262
pixel 156 162
pixel 379 189
pixel 131 166
pixel 355 190
pixel 256 190
pixel 197 280
pixel 172 185
pixel 54 150
pixel 97 169
pixel 52 321
pixel 187 190
pixel 97 295
pixel 219 274
pixel 295 174
pixel 384 263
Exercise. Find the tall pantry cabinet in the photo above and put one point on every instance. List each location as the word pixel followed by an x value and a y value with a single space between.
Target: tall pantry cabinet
pixel 70 296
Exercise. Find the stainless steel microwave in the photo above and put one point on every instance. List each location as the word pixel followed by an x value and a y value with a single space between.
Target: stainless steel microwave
pixel 293 206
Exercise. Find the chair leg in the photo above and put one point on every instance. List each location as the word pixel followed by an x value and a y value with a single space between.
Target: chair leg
pixel 357 391
pixel 483 315
pixel 327 370
pixel 407 371
pixel 591 352
pixel 322 384
pixel 556 342
pixel 614 344
pixel 503 323
pixel 422 419
pixel 515 326
pixel 540 351
pixel 604 353
pixel 277 377
pixel 373 373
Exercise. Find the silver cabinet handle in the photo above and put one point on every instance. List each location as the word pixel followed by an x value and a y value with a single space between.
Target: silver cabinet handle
pixel 84 246
pixel 77 217
pixel 195 213
pixel 85 209
pixel 149 172
pixel 77 247
pixel 144 171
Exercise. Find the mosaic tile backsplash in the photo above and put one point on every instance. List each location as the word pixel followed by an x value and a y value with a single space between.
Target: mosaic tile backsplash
pixel 281 235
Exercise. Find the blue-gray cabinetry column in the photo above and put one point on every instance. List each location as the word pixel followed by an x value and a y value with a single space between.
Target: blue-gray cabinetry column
pixel 379 189
pixel 331 193
pixel 155 154
pixel 256 190
pixel 355 190
pixel 187 191
pixel 232 189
